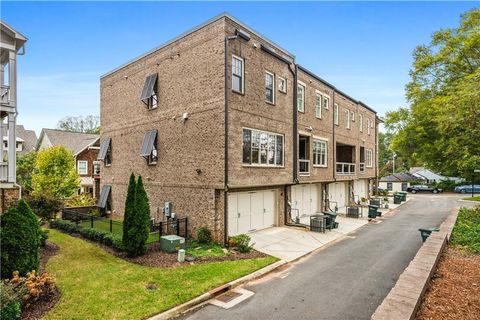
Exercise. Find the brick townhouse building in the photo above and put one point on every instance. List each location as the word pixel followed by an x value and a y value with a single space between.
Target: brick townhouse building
pixel 225 126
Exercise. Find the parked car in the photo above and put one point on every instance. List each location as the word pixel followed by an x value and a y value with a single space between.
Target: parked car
pixel 423 188
pixel 468 188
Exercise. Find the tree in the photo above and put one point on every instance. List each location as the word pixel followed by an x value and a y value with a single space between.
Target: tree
pixel 139 228
pixel 20 234
pixel 129 209
pixel 441 129
pixel 25 167
pixel 55 174
pixel 84 124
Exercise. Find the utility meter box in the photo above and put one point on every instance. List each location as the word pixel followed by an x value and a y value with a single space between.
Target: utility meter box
pixel 167 209
pixel 171 243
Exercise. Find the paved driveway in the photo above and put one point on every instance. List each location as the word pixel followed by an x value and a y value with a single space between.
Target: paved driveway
pixel 348 279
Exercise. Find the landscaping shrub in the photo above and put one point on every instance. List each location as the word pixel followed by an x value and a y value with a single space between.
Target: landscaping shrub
pixel 80 200
pixel 44 206
pixel 466 232
pixel 129 208
pixel 204 235
pixel 117 243
pixel 9 302
pixel 20 234
pixel 65 225
pixel 43 237
pixel 139 227
pixel 33 287
pixel 241 243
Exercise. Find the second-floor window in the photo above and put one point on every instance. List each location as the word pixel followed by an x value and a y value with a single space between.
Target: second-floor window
pixel 318 105
pixel 335 114
pixel 149 147
pixel 326 101
pixel 282 84
pixel 320 153
pixel 96 168
pixel 149 92
pixel 368 127
pixel 237 74
pixel 82 167
pixel 360 120
pixel 347 119
pixel 369 158
pixel 262 148
pixel 105 153
pixel 269 87
pixel 301 98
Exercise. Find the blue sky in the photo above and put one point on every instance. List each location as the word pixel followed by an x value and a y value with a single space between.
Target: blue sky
pixel 363 48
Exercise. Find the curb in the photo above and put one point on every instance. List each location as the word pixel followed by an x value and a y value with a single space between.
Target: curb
pixel 197 302
pixel 403 300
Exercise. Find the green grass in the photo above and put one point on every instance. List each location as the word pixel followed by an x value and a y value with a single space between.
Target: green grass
pixel 117 228
pixel 97 285
pixel 477 198
pixel 201 250
pixel 466 233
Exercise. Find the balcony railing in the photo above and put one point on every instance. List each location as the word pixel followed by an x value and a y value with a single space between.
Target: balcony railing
pixel 5 94
pixel 362 166
pixel 3 172
pixel 304 167
pixel 345 168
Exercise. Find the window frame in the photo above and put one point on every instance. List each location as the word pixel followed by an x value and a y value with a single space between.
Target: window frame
pixel 336 116
pixel 86 167
pixel 325 142
pixel 318 108
pixel 347 119
pixel 301 84
pixel 259 163
pixel 327 98
pixel 99 164
pixel 273 87
pixel 360 120
pixel 368 158
pixel 242 77
pixel 369 129
pixel 281 79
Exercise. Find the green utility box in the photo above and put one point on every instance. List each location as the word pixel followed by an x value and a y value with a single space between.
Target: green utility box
pixel 171 243
pixel 372 211
pixel 397 198
pixel 404 195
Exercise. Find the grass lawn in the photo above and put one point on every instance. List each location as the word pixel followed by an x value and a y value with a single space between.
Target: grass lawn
pixel 477 198
pixel 97 285
pixel 466 233
pixel 117 228
pixel 200 250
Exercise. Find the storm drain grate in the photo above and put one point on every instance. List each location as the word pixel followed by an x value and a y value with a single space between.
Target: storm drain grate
pixel 228 296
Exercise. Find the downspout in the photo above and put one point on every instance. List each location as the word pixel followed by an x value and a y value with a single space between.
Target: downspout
pixel 294 142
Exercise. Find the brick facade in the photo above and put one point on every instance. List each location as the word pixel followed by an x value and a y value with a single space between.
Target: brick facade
pixel 90 155
pixel 190 170
pixel 8 197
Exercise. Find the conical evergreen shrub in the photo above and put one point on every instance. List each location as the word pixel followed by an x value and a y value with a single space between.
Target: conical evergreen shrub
pixel 20 240
pixel 140 228
pixel 129 209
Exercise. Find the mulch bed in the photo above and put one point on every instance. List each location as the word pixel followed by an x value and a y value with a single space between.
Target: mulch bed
pixel 39 309
pixel 454 291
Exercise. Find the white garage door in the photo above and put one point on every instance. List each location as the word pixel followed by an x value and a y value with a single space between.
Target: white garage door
pixel 337 194
pixel 360 188
pixel 304 200
pixel 249 211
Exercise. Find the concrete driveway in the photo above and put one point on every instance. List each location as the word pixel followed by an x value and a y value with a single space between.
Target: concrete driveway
pixel 290 243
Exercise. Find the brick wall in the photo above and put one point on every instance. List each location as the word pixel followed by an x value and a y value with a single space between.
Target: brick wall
pixel 8 197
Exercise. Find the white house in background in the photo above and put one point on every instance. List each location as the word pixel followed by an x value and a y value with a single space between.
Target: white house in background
pixel 396 182
pixel 429 176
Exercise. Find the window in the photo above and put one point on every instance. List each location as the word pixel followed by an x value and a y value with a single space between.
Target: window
pixel 335 113
pixel 149 147
pixel 262 148
pixel 352 115
pixel 360 120
pixel 369 158
pixel 105 153
pixel 301 98
pixel 282 84
pixel 269 85
pixel 326 101
pixel 368 126
pixel 320 153
pixel 347 119
pixel 82 167
pixel 96 168
pixel 318 105
pixel 389 186
pixel 149 92
pixel 237 74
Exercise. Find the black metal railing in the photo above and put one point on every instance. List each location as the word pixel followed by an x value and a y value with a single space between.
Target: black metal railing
pixel 177 227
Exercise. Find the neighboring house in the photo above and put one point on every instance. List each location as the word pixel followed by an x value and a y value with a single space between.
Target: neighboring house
pixel 85 148
pixel 429 176
pixel 12 45
pixel 396 182
pixel 237 141
pixel 26 141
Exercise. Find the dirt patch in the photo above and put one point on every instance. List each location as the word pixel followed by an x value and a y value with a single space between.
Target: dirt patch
pixel 454 291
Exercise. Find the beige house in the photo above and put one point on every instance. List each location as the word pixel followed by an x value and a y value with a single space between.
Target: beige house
pixel 229 131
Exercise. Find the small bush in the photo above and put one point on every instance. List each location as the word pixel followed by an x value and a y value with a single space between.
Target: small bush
pixel 43 237
pixel 204 235
pixel 80 200
pixel 9 302
pixel 65 225
pixel 117 243
pixel 46 207
pixel 33 287
pixel 241 243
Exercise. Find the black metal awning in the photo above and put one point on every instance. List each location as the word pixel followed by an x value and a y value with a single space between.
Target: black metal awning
pixel 102 201
pixel 148 143
pixel 104 149
pixel 149 87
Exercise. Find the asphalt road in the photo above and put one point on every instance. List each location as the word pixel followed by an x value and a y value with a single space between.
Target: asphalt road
pixel 346 280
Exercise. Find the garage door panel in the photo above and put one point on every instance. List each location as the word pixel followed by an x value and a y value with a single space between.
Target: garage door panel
pixel 244 212
pixel 232 214
pixel 269 206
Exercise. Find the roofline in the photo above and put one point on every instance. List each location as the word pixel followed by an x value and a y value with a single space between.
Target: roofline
pixel 325 82
pixel 87 146
pixel 188 32
pixel 19 34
